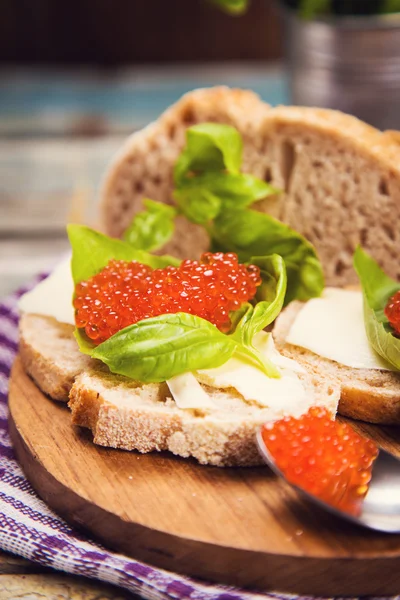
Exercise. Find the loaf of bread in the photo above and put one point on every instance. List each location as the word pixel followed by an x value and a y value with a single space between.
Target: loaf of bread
pixel 340 178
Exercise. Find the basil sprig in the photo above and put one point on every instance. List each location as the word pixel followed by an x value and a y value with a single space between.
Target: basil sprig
pixel 158 348
pixel 377 289
pixel 210 190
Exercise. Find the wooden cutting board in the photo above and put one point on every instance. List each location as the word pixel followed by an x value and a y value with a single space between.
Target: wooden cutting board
pixel 239 526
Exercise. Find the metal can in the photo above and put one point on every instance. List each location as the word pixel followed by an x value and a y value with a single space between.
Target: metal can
pixel 346 63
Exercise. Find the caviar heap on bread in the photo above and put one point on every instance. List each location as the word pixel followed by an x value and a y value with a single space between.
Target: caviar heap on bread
pixel 124 293
pixel 326 458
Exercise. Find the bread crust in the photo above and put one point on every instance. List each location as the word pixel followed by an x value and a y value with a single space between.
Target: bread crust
pixel 371 395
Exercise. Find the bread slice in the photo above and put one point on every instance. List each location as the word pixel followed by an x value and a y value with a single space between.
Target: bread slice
pixel 370 395
pixel 340 177
pixel 126 414
pixel 50 354
pixel 122 413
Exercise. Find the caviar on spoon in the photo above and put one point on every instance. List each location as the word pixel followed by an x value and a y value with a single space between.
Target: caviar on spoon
pixel 336 468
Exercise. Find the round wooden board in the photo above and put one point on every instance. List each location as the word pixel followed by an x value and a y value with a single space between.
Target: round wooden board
pixel 239 526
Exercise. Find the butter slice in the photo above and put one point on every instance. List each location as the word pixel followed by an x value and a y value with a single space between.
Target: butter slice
pixel 52 297
pixel 333 327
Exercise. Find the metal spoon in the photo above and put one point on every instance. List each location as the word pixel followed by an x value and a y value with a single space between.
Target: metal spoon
pixel 380 509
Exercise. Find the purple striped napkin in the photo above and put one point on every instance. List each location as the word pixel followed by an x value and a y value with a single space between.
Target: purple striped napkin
pixel 30 529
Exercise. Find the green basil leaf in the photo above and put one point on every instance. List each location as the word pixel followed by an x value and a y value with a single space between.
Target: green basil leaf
pixel 198 204
pixel 250 233
pixel 269 299
pixel 158 348
pixel 376 285
pixel 161 347
pixel 85 344
pixel 151 228
pixel 271 293
pixel 226 190
pixel 209 147
pixel 92 250
pixel 377 288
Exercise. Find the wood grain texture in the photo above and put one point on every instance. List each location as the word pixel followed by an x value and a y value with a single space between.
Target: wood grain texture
pixel 238 526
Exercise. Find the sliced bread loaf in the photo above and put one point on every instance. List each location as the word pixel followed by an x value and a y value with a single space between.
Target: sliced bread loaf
pixel 370 395
pixel 127 414
pixel 340 177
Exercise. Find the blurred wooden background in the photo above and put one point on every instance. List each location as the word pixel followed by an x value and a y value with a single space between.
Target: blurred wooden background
pixel 76 76
pixel 121 32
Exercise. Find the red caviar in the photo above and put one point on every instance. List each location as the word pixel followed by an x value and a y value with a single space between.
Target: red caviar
pixel 324 457
pixel 124 293
pixel 392 311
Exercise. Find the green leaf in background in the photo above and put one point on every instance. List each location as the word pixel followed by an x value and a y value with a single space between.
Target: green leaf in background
pixel 92 250
pixel 391 6
pixel 249 233
pixel 232 7
pixel 377 289
pixel 209 147
pixel 152 227
pixel 159 348
pixel 314 8
pixel 269 299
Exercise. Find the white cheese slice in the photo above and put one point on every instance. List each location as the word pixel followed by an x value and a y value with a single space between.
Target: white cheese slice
pixel 264 343
pixel 52 297
pixel 333 327
pixel 188 393
pixel 286 393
